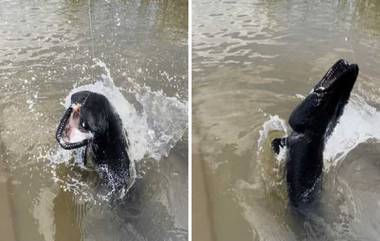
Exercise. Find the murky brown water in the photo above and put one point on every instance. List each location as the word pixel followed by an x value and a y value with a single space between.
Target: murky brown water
pixel 46 50
pixel 252 60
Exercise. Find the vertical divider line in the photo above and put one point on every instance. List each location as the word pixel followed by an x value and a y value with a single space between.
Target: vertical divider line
pixel 189 37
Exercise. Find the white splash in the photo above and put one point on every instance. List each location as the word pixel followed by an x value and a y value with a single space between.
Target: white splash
pixel 275 123
pixel 358 124
pixel 151 132
pixel 64 156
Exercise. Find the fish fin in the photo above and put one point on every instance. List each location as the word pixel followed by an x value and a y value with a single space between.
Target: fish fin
pixel 278 143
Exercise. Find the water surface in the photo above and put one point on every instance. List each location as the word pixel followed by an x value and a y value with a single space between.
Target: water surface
pixel 253 62
pixel 136 53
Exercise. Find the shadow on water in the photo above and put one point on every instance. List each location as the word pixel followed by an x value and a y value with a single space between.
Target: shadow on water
pixel 6 209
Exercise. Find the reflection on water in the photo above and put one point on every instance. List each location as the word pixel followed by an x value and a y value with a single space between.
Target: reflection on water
pixel 252 61
pixel 48 49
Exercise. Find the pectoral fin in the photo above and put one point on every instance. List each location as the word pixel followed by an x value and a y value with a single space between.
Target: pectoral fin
pixel 278 143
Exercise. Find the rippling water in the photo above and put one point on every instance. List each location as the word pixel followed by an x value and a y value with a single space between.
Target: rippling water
pixel 134 52
pixel 253 61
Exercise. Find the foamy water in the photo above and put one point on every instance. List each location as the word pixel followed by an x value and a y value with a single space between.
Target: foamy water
pixel 275 123
pixel 358 124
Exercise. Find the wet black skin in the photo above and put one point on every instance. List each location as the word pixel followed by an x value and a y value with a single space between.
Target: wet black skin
pixel 312 121
pixel 109 144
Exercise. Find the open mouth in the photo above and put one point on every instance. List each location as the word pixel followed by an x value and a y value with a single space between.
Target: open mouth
pixel 341 70
pixel 70 134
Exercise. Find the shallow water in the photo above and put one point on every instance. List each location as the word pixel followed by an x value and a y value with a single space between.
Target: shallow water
pixel 253 62
pixel 134 52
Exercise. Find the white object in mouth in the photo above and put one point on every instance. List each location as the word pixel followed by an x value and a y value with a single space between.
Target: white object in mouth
pixel 72 132
pixel 77 136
